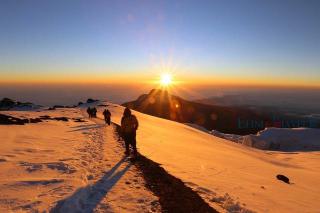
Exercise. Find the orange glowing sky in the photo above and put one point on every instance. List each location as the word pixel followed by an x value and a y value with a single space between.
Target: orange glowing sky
pixel 251 43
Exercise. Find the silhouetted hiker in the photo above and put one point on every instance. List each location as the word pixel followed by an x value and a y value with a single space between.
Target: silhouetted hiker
pixel 89 112
pixel 129 126
pixel 107 116
pixel 94 112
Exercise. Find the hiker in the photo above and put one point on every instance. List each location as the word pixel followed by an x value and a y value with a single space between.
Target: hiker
pixel 94 112
pixel 107 116
pixel 89 112
pixel 129 126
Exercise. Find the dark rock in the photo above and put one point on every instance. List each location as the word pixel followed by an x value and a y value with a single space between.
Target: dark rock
pixel 283 178
pixel 58 106
pixel 24 104
pixel 90 100
pixel 7 103
pixel 45 117
pixel 9 120
pixel 79 120
pixel 61 118
pixel 35 120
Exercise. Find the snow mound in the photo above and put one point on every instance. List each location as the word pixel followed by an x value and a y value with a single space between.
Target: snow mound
pixel 296 139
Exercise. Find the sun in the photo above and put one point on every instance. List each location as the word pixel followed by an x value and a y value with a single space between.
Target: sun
pixel 165 79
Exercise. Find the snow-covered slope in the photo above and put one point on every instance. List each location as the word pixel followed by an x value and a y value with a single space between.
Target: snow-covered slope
pixel 70 162
pixel 230 175
pixel 67 167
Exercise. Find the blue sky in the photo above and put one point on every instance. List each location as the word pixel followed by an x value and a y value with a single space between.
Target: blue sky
pixel 236 39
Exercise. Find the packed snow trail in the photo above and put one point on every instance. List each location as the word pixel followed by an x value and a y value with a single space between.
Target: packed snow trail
pixel 115 185
pixel 173 194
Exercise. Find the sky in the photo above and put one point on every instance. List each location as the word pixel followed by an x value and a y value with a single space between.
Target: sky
pixel 230 42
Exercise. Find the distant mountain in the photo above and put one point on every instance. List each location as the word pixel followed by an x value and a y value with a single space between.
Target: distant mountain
pixel 295 102
pixel 9 104
pixel 222 118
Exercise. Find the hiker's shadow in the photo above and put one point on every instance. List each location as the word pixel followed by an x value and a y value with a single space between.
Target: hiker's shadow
pixel 86 199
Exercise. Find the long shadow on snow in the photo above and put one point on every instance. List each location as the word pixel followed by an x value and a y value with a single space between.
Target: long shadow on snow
pixel 174 196
pixel 87 198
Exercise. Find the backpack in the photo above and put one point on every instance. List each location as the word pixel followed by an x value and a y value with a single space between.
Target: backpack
pixel 129 124
pixel 106 113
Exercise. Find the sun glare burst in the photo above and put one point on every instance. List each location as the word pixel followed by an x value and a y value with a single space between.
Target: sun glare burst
pixel 165 79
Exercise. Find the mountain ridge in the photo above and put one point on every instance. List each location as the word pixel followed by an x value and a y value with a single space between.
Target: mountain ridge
pixel 226 119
